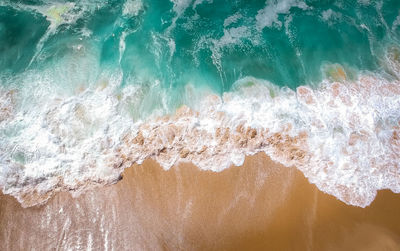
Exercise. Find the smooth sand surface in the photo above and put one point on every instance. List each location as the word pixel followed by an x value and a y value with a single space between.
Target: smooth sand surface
pixel 258 206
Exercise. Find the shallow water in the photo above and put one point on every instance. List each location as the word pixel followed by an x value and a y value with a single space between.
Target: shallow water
pixel 258 206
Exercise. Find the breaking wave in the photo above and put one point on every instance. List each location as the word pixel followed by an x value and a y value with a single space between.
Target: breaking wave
pixel 343 135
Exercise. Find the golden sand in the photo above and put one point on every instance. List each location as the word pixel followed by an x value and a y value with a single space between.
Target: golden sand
pixel 258 206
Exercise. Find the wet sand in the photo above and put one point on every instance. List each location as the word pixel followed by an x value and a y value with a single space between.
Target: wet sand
pixel 258 206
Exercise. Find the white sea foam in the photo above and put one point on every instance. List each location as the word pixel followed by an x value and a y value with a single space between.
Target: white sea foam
pixel 179 8
pixel 364 2
pixel 268 16
pixel 199 2
pixel 396 23
pixel 327 14
pixel 232 19
pixel 344 136
pixel 132 7
pixel 232 37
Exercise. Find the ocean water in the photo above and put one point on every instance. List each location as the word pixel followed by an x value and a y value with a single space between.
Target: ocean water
pixel 88 88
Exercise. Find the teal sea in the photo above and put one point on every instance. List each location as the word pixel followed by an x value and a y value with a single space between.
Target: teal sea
pixel 205 43
pixel 87 88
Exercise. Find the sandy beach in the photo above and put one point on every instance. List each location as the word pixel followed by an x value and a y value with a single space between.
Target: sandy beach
pixel 199 125
pixel 258 206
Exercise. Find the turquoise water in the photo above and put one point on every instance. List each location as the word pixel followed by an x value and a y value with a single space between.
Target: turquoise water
pixel 88 88
pixel 205 43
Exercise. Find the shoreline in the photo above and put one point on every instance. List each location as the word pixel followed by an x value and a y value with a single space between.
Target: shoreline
pixel 256 206
pixel 332 134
